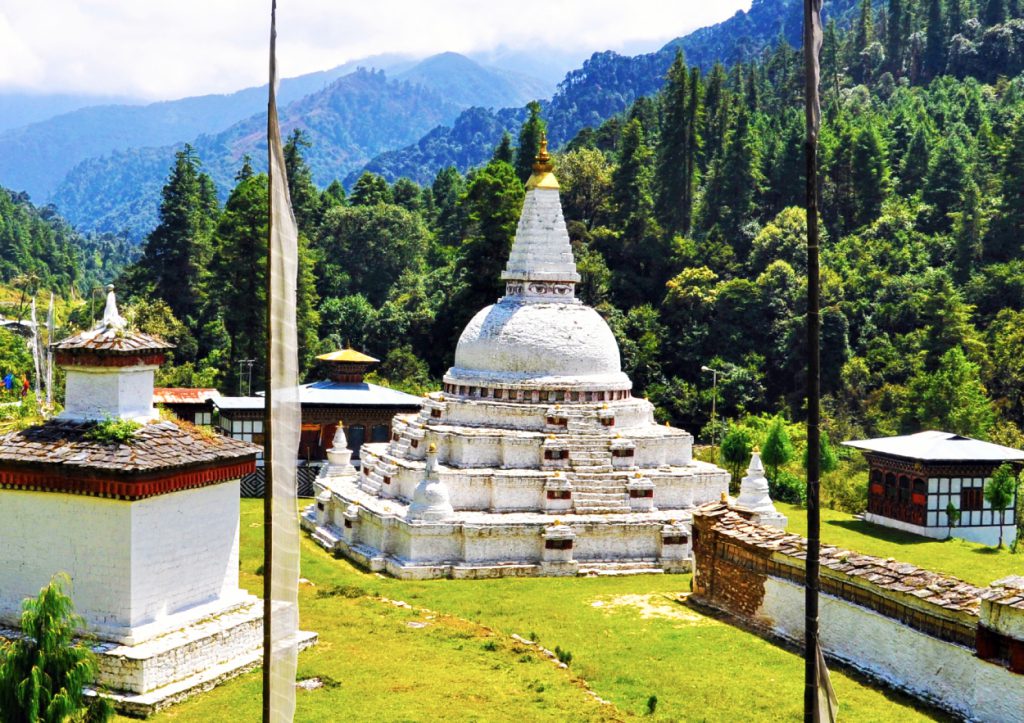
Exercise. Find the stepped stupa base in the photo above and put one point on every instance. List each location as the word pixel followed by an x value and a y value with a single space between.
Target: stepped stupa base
pixel 376 534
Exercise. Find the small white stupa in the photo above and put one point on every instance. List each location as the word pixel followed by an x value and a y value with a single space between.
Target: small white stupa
pixel 536 421
pixel 145 526
pixel 754 497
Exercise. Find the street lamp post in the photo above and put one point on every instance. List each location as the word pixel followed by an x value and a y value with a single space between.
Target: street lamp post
pixel 714 399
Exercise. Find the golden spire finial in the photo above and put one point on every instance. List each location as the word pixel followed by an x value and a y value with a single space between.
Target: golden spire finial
pixel 542 164
pixel 542 168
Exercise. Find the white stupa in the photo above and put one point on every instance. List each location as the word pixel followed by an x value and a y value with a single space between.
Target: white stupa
pixel 754 497
pixel 535 459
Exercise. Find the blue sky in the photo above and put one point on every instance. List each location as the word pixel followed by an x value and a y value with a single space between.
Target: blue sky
pixel 161 49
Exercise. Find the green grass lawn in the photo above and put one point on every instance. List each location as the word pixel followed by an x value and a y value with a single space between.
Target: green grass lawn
pixel 450 655
pixel 969 561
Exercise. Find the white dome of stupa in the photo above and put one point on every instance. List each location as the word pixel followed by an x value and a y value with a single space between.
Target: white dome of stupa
pixel 520 341
pixel 539 333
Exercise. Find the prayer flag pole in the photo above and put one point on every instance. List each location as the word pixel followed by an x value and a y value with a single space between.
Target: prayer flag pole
pixel 814 662
pixel 283 419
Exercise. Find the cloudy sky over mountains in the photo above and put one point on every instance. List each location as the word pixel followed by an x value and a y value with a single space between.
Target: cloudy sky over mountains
pixel 156 49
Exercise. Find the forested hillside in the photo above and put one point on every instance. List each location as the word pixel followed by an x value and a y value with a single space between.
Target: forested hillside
pixel 40 251
pixel 684 219
pixel 348 122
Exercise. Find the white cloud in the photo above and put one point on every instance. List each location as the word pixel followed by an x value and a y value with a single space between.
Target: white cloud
pixel 172 48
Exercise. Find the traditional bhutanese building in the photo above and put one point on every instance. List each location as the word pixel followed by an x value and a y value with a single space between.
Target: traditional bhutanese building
pixel 194 405
pixel 343 397
pixel 535 459
pixel 146 528
pixel 913 478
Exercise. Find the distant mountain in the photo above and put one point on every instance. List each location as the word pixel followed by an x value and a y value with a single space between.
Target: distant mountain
pixel 742 37
pixel 19 109
pixel 36 158
pixel 605 85
pixel 348 122
pixel 468 83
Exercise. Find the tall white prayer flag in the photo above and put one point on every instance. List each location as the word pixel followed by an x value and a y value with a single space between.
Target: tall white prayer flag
pixel 281 610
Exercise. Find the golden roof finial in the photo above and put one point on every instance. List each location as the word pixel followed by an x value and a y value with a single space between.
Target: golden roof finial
pixel 542 168
pixel 542 163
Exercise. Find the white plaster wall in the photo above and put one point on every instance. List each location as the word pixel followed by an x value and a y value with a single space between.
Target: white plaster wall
pixel 490 546
pixel 98 393
pixel 520 453
pixel 475 451
pixel 184 550
pixel 987 535
pixel 484 414
pixel 614 542
pixel 906 658
pixel 43 533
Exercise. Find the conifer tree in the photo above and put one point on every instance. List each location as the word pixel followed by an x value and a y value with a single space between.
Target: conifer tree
pixel 370 190
pixel 44 672
pixel 732 186
pixel 915 161
pixel 675 155
pixel 864 35
pixel 777 449
pixel 504 151
pixel 936 41
pixel 994 12
pixel 529 141
pixel 1007 240
pixel 952 398
pixel 303 193
pixel 944 185
pixel 177 254
pixel 870 174
pixel 1000 492
pixel 956 17
pixel 895 38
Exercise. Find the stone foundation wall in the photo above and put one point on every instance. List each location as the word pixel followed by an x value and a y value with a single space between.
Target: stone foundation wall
pixel 914 629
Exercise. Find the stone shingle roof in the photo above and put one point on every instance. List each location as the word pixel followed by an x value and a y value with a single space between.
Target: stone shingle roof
pixel 111 341
pixel 156 446
pixel 942 590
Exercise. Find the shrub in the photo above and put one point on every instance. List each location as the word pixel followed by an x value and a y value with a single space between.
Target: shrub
pixel 845 490
pixel 787 487
pixel 113 431
pixel 43 674
pixel 652 704
pixel 564 656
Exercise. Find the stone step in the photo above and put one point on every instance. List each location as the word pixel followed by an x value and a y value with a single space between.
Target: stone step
pixel 624 567
pixel 601 509
pixel 597 469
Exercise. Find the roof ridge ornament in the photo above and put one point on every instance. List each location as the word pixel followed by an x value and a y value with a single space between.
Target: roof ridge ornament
pixel 112 319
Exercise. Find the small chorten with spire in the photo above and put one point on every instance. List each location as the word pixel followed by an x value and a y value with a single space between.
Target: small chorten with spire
pixel 754 496
pixel 110 369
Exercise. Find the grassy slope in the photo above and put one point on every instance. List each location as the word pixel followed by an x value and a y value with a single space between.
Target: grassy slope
pixel 628 638
pixel 969 561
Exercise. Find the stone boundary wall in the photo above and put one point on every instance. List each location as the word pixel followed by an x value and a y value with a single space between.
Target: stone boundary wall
pixel 953 651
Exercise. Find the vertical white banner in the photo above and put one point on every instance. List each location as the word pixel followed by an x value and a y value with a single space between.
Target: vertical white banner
pixel 285 415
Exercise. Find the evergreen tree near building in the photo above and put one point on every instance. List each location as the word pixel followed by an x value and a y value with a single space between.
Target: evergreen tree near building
pixel 735 450
pixel 777 449
pixel 952 518
pixel 44 673
pixel 1000 492
pixel 676 151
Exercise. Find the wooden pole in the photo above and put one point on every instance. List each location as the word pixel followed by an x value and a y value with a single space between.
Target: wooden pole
pixel 811 671
pixel 268 438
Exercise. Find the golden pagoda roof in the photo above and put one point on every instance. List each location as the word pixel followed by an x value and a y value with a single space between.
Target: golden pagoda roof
pixel 543 176
pixel 347 355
